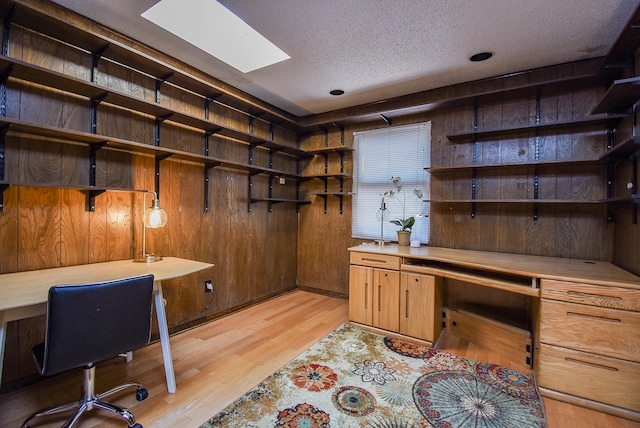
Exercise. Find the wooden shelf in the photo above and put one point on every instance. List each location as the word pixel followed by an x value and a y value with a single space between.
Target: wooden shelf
pixel 98 189
pixel 34 74
pixel 623 150
pixel 633 199
pixel 336 176
pixel 557 126
pixel 337 194
pixel 515 201
pixel 278 200
pixel 458 168
pixel 273 201
pixel 102 141
pixel 91 191
pixel 620 96
pixel 335 149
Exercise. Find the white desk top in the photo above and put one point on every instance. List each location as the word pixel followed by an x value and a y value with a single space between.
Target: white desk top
pixel 28 288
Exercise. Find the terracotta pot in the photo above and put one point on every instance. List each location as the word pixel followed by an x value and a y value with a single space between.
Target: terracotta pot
pixel 404 237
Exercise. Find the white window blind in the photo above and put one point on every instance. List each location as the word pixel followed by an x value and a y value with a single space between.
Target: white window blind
pixel 401 151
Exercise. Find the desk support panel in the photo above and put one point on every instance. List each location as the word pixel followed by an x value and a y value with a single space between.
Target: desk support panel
pixel 158 299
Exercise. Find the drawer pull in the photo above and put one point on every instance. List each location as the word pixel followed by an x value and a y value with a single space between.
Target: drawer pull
pixel 593 296
pixel 594 318
pixel 589 364
pixel 406 300
pixel 366 295
pixel 364 259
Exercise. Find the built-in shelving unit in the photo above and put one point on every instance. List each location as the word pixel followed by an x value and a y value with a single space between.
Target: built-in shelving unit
pixel 105 49
pixel 326 176
pixel 604 119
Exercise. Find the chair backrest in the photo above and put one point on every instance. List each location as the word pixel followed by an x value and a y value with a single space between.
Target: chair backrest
pixel 87 323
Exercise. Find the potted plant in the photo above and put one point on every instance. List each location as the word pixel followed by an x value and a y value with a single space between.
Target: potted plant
pixel 405 223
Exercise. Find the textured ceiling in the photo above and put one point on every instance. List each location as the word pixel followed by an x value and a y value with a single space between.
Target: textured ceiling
pixel 380 49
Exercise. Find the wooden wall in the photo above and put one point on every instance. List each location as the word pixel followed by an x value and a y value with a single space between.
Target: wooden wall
pixel 43 227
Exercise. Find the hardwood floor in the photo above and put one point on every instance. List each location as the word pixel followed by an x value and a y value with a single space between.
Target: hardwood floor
pixel 217 362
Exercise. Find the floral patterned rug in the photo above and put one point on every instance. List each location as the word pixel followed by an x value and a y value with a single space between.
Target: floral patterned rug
pixel 353 378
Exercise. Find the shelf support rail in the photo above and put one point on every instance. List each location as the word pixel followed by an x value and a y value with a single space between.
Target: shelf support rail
pixel 3 187
pixel 5 51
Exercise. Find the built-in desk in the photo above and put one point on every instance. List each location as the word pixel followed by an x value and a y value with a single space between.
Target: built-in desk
pixel 24 294
pixel 582 338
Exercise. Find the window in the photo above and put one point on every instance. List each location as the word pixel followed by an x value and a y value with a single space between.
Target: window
pixel 402 151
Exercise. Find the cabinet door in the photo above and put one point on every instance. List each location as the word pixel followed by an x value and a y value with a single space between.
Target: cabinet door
pixel 361 294
pixel 418 313
pixel 386 299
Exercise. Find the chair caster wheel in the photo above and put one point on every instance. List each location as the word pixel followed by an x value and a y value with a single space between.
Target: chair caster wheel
pixel 141 394
pixel 136 426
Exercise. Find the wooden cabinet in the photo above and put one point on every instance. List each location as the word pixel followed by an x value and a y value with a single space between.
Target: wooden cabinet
pixel 421 299
pixel 382 296
pixel 590 345
pixel 375 297
pixel 386 299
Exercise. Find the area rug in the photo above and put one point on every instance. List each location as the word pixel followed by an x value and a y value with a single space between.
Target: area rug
pixel 354 378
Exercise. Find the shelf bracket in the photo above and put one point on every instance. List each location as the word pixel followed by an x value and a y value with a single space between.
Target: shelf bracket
pixel 3 187
pixel 156 128
pixel 93 149
pixel 207 167
pixel 159 81
pixel 94 112
pixel 3 90
pixel 158 159
pixel 8 19
pixel 473 194
pixel 250 180
pixel 91 199
pixel 5 51
pixel 95 57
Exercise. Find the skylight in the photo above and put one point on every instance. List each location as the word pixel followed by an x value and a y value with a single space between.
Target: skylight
pixel 211 27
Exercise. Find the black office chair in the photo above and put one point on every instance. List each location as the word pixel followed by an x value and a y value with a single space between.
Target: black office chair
pixel 88 323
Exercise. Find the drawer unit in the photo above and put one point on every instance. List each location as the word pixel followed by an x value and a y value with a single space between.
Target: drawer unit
pixel 603 331
pixel 606 380
pixel 590 294
pixel 375 260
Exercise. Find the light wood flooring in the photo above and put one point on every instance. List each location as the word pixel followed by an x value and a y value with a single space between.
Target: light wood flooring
pixel 219 361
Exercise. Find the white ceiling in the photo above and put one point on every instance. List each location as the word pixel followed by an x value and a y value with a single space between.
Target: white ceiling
pixel 380 49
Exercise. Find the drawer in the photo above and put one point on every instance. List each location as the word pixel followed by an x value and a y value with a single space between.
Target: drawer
pixel 590 294
pixel 603 331
pixel 375 260
pixel 607 380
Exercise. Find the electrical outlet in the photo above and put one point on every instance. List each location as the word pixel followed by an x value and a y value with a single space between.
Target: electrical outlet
pixel 208 286
pixel 282 180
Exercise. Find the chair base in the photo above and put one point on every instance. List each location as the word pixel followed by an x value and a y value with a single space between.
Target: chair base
pixel 90 401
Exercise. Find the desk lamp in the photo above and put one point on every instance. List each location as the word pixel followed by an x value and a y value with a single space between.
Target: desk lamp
pixel 383 216
pixel 153 218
